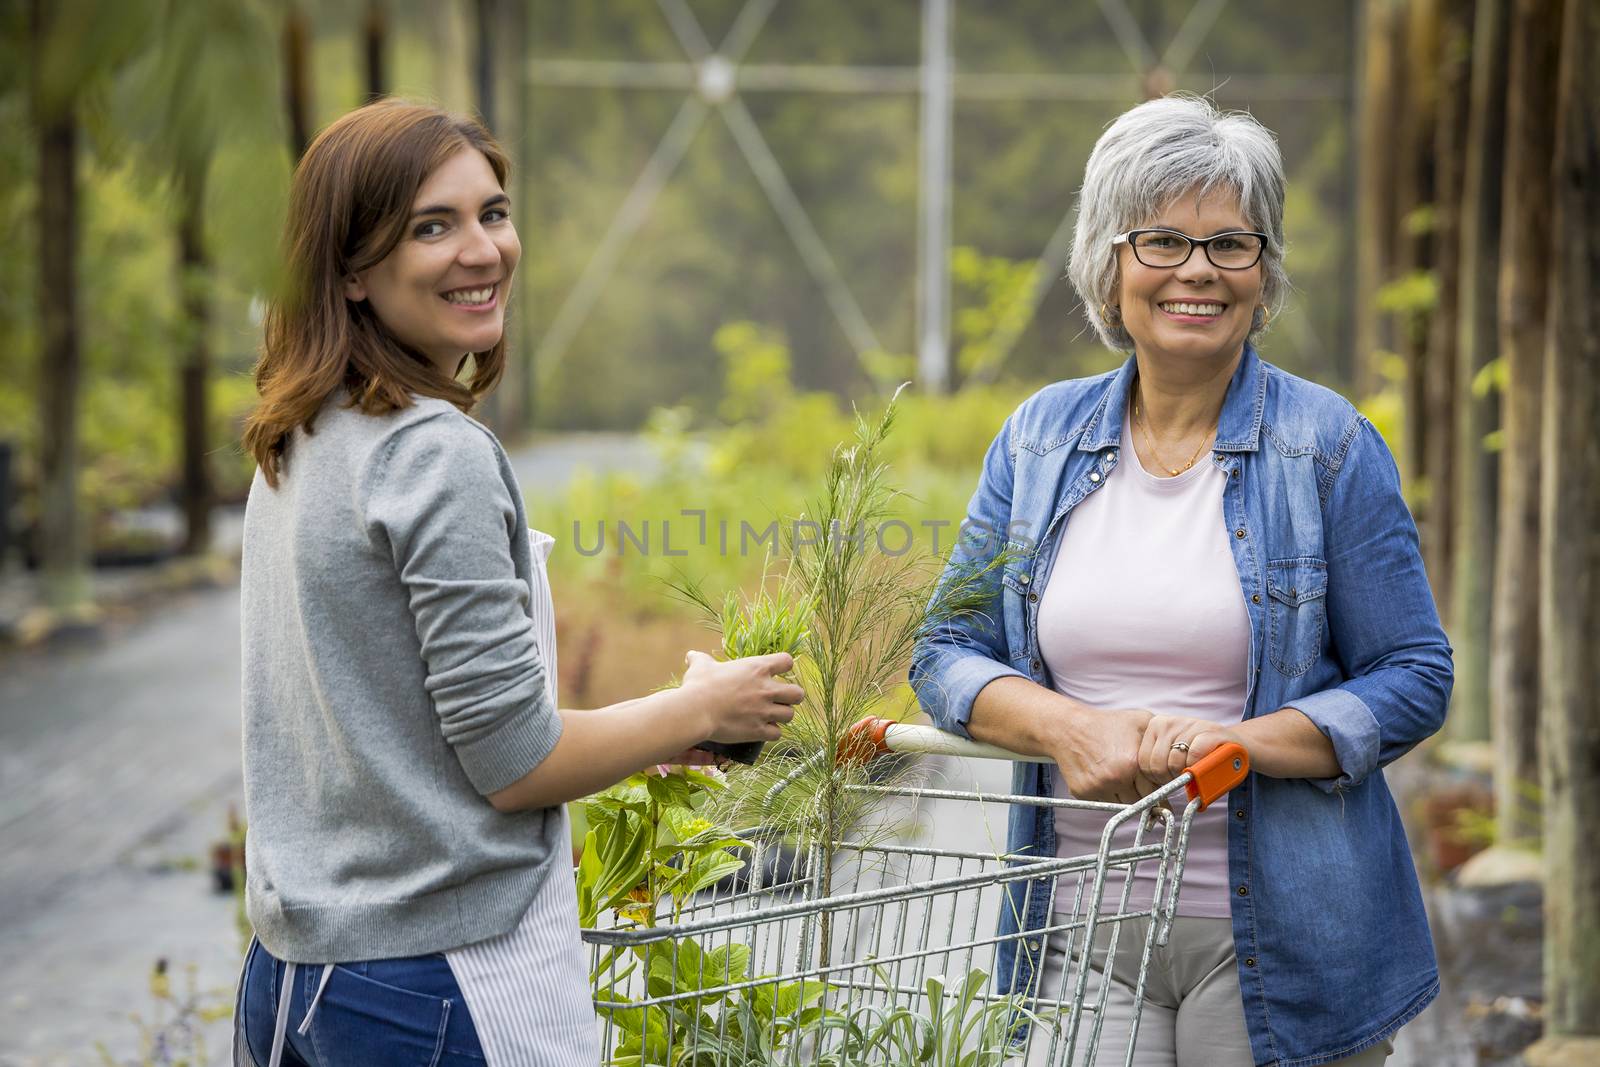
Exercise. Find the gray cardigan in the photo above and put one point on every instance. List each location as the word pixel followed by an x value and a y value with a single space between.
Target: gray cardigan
pixel 391 682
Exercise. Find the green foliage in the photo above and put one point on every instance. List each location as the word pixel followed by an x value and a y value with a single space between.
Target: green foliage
pixel 1492 377
pixel 768 622
pixel 170 95
pixel 771 1022
pixel 850 615
pixel 1414 294
pixel 129 421
pixel 991 292
pixel 650 840
pixel 959 1029
pixel 1386 409
pixel 853 612
pixel 756 371
pixel 761 1024
pixel 1421 220
pixel 750 480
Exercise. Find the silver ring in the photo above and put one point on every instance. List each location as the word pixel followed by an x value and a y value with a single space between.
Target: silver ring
pixel 1181 746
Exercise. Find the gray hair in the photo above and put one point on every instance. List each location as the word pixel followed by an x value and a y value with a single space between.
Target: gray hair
pixel 1152 155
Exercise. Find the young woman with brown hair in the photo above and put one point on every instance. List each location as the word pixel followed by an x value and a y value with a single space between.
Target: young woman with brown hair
pixel 405 762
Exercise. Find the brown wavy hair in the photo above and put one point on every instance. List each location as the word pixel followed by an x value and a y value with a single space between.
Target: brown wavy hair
pixel 349 202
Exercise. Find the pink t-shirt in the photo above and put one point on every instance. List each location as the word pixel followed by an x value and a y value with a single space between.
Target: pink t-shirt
pixel 1144 609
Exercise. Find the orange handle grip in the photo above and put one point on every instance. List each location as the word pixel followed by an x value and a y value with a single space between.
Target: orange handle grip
pixel 1221 770
pixel 863 741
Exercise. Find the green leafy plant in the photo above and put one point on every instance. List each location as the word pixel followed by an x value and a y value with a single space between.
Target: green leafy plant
pixel 850 612
pixel 763 1021
pixel 960 1027
pixel 650 840
pixel 861 610
pixel 767 1022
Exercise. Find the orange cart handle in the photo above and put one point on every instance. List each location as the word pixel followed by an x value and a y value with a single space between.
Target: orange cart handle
pixel 864 741
pixel 1219 771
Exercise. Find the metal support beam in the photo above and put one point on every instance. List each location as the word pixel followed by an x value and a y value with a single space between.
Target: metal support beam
pixel 715 77
pixel 933 225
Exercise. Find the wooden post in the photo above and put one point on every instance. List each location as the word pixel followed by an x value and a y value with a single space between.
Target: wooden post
pixel 522 332
pixel 1414 179
pixel 1375 191
pixel 195 376
pixel 62 543
pixel 1525 262
pixel 375 48
pixel 483 76
pixel 1439 385
pixel 1478 412
pixel 1570 563
pixel 297 77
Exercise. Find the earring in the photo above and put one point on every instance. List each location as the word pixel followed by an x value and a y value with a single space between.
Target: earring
pixel 1266 314
pixel 1108 316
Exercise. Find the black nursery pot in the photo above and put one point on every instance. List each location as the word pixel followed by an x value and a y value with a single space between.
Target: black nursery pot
pixel 743 752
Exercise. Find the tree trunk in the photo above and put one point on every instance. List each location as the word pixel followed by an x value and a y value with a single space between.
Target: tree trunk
pixel 62 540
pixel 484 75
pixel 452 76
pixel 195 376
pixel 1525 255
pixel 1439 397
pixel 1570 550
pixel 1375 199
pixel 511 398
pixel 297 77
pixel 375 46
pixel 1415 179
pixel 485 28
pixel 1478 410
pixel 521 382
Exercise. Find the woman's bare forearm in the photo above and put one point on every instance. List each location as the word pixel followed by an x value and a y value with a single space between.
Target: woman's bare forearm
pixel 1286 744
pixel 1023 716
pixel 601 747
pixel 743 699
pixel 1097 751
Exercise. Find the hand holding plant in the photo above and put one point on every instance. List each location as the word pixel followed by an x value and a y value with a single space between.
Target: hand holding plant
pixel 765 626
pixel 744 697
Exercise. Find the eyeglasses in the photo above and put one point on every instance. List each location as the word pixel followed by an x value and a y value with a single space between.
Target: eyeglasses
pixel 1234 250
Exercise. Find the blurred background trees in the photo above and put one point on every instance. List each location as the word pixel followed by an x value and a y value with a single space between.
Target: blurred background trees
pixel 202 108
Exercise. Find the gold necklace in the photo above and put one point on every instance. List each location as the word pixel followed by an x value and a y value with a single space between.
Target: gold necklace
pixel 1144 427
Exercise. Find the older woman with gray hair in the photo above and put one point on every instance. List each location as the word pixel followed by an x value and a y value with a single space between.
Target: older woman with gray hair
pixel 1202 548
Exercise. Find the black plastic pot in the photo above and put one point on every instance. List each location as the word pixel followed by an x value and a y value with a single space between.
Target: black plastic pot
pixel 744 752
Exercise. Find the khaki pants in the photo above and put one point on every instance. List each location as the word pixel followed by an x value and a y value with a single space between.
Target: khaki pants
pixel 1193 1012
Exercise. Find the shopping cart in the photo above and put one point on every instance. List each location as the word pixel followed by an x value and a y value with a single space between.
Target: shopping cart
pixel 884 953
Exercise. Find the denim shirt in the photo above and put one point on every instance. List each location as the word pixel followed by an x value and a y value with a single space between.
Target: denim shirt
pixel 1334 951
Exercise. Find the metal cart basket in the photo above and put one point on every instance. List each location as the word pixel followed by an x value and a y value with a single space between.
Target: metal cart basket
pixel 890 955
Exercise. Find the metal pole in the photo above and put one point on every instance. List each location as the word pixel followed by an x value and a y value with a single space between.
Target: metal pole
pixel 933 245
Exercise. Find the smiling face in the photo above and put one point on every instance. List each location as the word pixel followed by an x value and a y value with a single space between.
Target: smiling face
pixel 443 288
pixel 1197 311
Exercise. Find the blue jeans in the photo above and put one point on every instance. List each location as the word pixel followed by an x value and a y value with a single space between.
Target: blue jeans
pixel 401 1011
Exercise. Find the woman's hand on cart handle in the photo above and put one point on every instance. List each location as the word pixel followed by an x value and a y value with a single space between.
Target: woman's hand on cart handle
pixel 1171 743
pixel 1097 750
pixel 1098 754
pixel 1212 776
